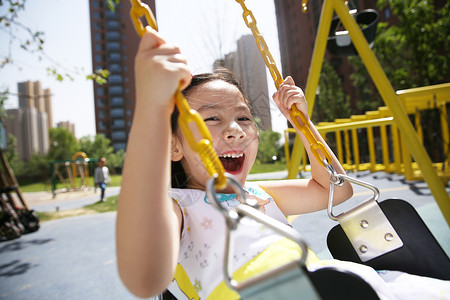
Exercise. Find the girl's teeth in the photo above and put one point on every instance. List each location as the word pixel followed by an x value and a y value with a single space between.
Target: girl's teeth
pixel 234 155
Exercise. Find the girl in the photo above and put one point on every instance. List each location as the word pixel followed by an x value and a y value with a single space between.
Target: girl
pixel 173 236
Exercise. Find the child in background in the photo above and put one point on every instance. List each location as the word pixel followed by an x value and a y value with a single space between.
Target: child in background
pixel 173 237
pixel 101 177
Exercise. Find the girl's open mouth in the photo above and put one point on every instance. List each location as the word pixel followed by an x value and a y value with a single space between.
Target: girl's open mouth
pixel 232 162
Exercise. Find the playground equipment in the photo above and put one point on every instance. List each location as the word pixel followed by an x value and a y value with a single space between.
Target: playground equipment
pixel 391 99
pixel 381 241
pixel 339 41
pixel 16 218
pixel 390 153
pixel 383 238
pixel 76 167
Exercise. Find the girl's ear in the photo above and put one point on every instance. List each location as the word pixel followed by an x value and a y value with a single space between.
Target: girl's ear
pixel 176 150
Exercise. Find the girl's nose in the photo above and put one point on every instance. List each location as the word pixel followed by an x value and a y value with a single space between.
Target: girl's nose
pixel 234 131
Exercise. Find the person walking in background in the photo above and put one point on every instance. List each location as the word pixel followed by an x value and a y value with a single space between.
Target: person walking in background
pixel 101 177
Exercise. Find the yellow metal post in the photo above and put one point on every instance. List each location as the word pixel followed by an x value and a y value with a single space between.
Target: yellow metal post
pixel 340 154
pixel 313 78
pixel 347 148
pixel 445 133
pixel 390 98
pixel 286 146
pixel 417 122
pixel 355 141
pixel 396 149
pixel 371 141
pixel 384 140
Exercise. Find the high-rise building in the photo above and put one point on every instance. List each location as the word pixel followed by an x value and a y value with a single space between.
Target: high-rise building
pixel 31 121
pixel 114 46
pixel 248 65
pixel 68 125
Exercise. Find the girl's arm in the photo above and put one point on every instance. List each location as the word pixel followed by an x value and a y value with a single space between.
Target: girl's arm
pixel 304 195
pixel 148 222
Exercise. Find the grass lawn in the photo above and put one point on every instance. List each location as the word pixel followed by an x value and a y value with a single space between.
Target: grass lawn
pixel 266 168
pixel 98 207
pixel 46 186
pixel 116 179
pixel 111 203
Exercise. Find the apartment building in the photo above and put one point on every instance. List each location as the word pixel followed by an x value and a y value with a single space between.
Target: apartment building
pixel 114 45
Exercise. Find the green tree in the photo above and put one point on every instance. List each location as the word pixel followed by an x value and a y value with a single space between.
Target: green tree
pixel 33 41
pixel 63 144
pixel 12 155
pixel 268 146
pixel 366 92
pixel 10 152
pixel 332 102
pixel 421 41
pixel 115 161
pixel 414 51
pixel 96 146
pixel 36 168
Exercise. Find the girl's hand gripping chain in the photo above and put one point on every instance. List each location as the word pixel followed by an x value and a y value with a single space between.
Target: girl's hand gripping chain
pixel 289 94
pixel 159 69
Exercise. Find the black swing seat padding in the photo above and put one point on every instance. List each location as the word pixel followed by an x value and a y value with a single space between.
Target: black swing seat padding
pixel 420 254
pixel 368 21
pixel 330 284
pixel 333 284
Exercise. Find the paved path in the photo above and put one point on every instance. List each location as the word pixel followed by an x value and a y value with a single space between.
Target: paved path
pixel 71 258
pixel 45 202
pixel 74 258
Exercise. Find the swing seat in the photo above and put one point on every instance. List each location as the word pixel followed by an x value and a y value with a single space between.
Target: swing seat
pixel 340 43
pixel 295 281
pixel 289 281
pixel 420 254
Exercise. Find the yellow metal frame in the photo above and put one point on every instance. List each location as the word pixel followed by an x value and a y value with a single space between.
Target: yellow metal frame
pixel 74 167
pixel 385 89
pixel 395 157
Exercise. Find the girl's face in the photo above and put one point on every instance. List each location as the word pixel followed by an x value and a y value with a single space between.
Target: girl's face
pixel 234 134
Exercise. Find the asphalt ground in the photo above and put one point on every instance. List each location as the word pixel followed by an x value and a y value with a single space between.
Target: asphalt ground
pixel 74 258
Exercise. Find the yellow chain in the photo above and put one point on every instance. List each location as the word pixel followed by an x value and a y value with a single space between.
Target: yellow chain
pixel 203 147
pixel 296 115
pixel 304 5
pixel 138 10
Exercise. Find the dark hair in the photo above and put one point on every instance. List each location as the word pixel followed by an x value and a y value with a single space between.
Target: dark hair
pixel 179 178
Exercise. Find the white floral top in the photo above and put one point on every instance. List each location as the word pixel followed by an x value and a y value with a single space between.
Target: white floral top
pixel 203 238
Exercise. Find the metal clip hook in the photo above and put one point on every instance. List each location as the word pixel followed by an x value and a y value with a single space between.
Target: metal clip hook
pixel 247 209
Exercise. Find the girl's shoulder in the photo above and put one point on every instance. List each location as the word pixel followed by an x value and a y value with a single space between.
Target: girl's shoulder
pixel 186 197
pixel 193 195
pixel 256 190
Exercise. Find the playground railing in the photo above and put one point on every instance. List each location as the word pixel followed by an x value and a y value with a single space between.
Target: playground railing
pixel 372 141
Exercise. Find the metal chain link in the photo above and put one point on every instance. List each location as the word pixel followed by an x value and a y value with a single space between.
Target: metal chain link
pixel 297 116
pixel 304 5
pixel 203 147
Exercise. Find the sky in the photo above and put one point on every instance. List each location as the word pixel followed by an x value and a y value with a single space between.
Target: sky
pixel 204 30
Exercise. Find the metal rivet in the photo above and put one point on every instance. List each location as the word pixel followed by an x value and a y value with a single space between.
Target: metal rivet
pixel 363 248
pixel 364 224
pixel 389 237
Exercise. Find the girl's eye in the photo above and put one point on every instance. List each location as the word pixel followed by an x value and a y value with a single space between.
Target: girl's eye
pixel 244 119
pixel 211 119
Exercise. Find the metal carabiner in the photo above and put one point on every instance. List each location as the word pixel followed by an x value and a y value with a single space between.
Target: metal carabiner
pixel 338 180
pixel 248 209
